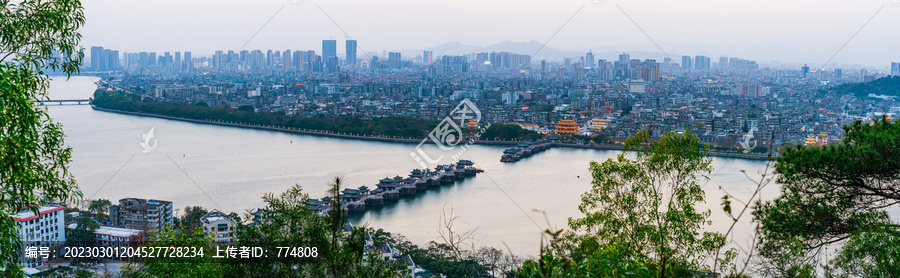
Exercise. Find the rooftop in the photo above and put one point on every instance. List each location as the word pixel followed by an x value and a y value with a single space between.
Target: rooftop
pixel 29 215
pixel 117 232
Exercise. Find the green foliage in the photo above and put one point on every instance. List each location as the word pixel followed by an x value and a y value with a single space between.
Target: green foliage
pixel 829 192
pixel 436 257
pixel 246 108
pixel 84 273
pixel 287 222
pixel 33 158
pixel 544 108
pixel 191 217
pixel 188 267
pixel 608 260
pixel 648 204
pixel 832 193
pixel 889 85
pixel 602 138
pixel 508 132
pixel 442 258
pixel 348 124
pixel 99 207
pixel 787 258
pixel 83 234
pixel 870 253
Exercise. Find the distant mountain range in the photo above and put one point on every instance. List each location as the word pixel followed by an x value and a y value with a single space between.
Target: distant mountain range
pixel 534 48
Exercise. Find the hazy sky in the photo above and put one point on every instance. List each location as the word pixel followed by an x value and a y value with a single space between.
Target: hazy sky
pixel 789 31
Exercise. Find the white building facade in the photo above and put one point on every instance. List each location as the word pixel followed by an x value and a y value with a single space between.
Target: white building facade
pixel 44 233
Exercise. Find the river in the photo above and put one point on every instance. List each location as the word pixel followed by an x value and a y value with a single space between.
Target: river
pixel 230 169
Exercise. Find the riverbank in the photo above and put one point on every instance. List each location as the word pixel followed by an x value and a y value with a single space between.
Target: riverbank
pixel 711 153
pixel 391 139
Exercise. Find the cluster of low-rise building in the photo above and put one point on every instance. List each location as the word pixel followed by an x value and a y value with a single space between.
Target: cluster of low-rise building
pixel 132 222
pixel 722 102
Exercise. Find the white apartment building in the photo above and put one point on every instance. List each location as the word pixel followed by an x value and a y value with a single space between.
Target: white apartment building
pixel 219 225
pixel 44 233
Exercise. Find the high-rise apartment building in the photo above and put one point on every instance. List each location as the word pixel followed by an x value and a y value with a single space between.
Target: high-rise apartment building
pixel 97 59
pixel 298 59
pixel 394 60
pixel 218 59
pixel 177 63
pixel 428 57
pixel 687 62
pixel 650 70
pixel 351 52
pixel 895 68
pixel 701 62
pixel 589 59
pixel 286 60
pixel 188 63
pixel 329 49
pixel 455 64
pixel 111 57
pixel 622 71
pixel 166 60
pixel 244 58
pixel 332 64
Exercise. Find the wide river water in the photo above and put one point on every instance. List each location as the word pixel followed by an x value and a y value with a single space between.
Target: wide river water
pixel 230 169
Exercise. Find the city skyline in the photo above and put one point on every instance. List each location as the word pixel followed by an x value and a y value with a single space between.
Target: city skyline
pixel 765 30
pixel 332 60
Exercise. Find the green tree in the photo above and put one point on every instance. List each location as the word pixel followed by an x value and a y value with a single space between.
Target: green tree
pixel 286 221
pixel 191 217
pixel 83 234
pixel 196 266
pixel 499 131
pixel 99 207
pixel 889 85
pixel 246 108
pixel 34 36
pixel 601 138
pixel 84 273
pixel 833 193
pixel 648 204
pixel 608 260
pixel 830 192
pixel 870 253
pixel 786 258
